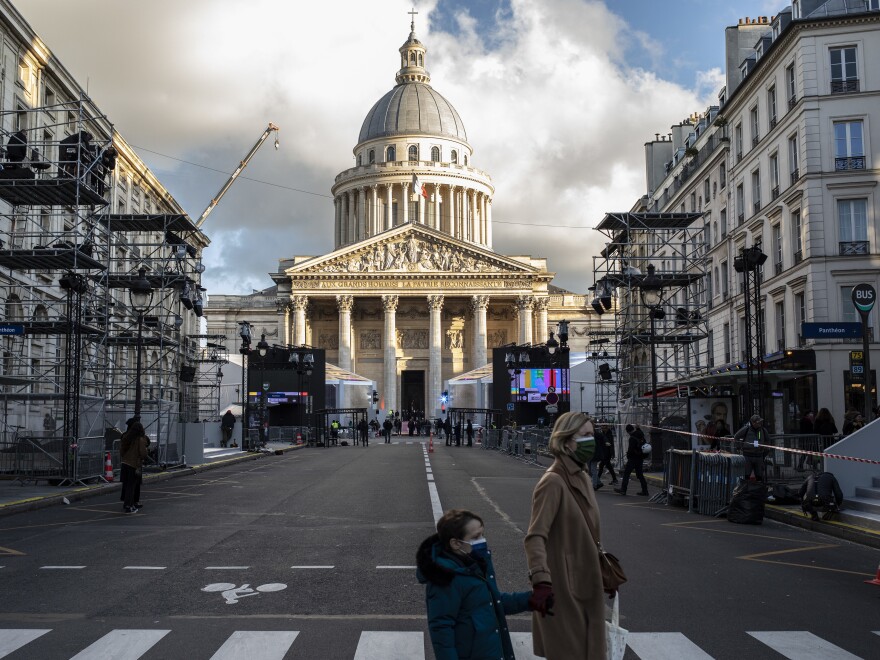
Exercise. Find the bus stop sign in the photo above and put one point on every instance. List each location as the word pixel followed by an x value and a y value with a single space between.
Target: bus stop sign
pixel 864 296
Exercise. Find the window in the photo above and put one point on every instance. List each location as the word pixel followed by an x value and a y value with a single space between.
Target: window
pixel 711 347
pixel 853 226
pixel 738 141
pixel 726 333
pixel 780 325
pixel 360 159
pixel 707 235
pixel 774 176
pixel 776 232
pixel 793 159
pixel 789 85
pixel 693 202
pixel 797 236
pixel 709 293
pixel 771 106
pixel 722 175
pixel 725 282
pixel 391 154
pixel 849 149
pixel 707 190
pixel 21 119
pixel 723 216
pixel 454 157
pixel 844 73
pixel 50 102
pixel 413 153
pixel 740 205
pixel 756 190
pixel 800 309
pixel 753 122
pixel 796 9
pixel 372 156
pixel 465 160
pixel 435 154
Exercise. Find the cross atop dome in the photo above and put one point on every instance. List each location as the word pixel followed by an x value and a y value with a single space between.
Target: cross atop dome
pixel 412 57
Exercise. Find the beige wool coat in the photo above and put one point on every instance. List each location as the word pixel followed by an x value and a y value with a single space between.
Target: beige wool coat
pixel 560 550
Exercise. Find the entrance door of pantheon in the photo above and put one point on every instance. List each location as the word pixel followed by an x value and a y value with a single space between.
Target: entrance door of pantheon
pixel 412 391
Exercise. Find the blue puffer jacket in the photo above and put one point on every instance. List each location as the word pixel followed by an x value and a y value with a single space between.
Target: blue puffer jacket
pixel 466 612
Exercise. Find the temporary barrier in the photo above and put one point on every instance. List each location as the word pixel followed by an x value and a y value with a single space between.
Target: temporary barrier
pixel 705 480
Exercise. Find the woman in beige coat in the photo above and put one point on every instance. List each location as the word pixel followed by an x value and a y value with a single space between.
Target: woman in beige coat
pixel 562 555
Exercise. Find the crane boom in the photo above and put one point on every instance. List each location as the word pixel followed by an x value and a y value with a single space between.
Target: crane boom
pixel 238 170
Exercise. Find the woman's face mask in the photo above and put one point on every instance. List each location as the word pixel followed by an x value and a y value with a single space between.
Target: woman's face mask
pixel 479 547
pixel 585 448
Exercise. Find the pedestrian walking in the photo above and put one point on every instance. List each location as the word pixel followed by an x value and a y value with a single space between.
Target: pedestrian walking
pixel 48 425
pixel 634 460
pixel 447 430
pixel 411 426
pixel 469 431
pixel 604 456
pixel 387 426
pixel 752 436
pixel 398 425
pixel 132 452
pixel 466 610
pixel 562 552
pixel 364 432
pixel 227 424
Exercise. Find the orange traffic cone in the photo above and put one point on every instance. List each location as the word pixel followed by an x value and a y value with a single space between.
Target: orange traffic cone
pixel 876 579
pixel 108 468
pixel 299 438
pixel 431 442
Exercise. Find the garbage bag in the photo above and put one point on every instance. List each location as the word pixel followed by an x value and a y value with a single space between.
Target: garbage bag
pixel 747 503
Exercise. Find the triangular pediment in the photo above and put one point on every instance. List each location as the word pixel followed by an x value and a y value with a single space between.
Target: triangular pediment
pixel 411 248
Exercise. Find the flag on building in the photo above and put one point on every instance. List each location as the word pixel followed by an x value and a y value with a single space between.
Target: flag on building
pixel 418 188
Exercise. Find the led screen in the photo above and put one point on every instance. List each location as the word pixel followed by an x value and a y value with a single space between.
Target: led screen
pixel 533 383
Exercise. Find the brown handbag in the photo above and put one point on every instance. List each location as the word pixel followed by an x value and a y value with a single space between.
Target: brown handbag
pixel 612 572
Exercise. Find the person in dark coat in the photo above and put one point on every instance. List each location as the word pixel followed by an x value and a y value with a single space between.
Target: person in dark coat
pixel 604 456
pixel 387 426
pixel 132 453
pixel 751 437
pixel 805 428
pixel 469 431
pixel 634 460
pixel 466 610
pixel 227 423
pixel 447 430
pixel 820 490
pixel 364 432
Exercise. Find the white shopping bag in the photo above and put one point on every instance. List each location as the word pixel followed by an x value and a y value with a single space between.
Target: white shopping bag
pixel 616 635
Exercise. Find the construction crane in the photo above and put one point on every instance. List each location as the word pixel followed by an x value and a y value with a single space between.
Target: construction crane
pixel 238 170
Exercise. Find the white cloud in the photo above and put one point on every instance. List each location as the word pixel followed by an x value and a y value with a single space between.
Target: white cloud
pixel 553 113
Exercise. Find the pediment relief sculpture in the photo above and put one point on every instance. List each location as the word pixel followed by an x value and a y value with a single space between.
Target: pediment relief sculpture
pixel 410 255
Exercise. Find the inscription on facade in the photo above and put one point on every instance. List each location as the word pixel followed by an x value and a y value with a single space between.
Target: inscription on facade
pixel 433 284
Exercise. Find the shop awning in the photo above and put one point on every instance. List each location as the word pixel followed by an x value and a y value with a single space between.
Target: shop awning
pixel 737 376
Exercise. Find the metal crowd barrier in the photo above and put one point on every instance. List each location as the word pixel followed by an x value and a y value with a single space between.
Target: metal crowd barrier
pixel 89 459
pixel 705 480
pixel 39 459
pixel 527 445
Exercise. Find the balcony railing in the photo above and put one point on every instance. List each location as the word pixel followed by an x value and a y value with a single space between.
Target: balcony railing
pixel 741 218
pixel 792 100
pixel 774 192
pixel 795 175
pixel 853 248
pixel 798 257
pixel 849 163
pixel 844 86
pixel 772 122
pixel 777 267
pixel 757 205
pixel 739 156
pixel 755 140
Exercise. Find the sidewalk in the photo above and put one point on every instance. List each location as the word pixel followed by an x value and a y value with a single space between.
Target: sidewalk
pixel 16 498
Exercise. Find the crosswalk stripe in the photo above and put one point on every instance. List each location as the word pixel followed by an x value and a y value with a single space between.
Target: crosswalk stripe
pixel 665 646
pixel 262 644
pixel 11 640
pixel 801 645
pixel 522 646
pixel 122 645
pixel 387 645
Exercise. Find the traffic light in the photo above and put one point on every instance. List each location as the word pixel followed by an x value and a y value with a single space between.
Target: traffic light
pixel 444 398
pixel 375 396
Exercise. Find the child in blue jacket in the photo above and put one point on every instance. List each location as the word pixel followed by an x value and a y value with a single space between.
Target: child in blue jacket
pixel 466 611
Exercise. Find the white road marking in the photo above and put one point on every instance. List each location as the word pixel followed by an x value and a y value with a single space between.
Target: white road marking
pixel 12 640
pixel 60 568
pixel 262 644
pixel 313 567
pixel 377 645
pixel 665 646
pixel 122 645
pixel 144 568
pixel 801 645
pixel 396 567
pixel 522 646
pixel 226 568
pixel 436 507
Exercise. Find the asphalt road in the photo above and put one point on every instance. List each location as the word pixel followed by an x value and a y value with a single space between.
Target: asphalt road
pixel 321 542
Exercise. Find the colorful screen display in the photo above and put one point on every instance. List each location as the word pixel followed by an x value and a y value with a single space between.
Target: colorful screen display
pixel 533 383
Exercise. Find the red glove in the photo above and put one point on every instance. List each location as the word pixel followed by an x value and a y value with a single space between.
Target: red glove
pixel 541 599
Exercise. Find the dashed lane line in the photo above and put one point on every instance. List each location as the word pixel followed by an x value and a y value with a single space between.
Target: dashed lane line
pixel 61 568
pixel 144 568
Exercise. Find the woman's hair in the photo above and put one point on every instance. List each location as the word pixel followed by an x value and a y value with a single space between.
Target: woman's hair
pixel 565 428
pixel 452 524
pixel 136 430
pixel 823 415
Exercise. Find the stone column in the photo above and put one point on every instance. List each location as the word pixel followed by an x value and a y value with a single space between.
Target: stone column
pixel 389 205
pixel 351 229
pixel 435 356
pixel 479 305
pixel 405 189
pixel 541 305
pixel 524 305
pixel 475 219
pixel 389 303
pixel 362 214
pixel 284 313
pixel 483 219
pixel 375 225
pixel 344 304
pixel 452 226
pixel 423 207
pixel 436 223
pixel 336 239
pixel 299 304
pixel 489 223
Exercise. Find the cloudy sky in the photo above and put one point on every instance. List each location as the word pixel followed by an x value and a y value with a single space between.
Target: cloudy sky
pixel 558 98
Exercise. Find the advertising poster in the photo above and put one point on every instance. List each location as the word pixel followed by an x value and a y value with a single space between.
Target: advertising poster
pixel 710 416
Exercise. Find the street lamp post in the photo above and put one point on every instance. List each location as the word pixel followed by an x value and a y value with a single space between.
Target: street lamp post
pixel 651 292
pixel 244 332
pixel 304 364
pixel 262 349
pixel 140 295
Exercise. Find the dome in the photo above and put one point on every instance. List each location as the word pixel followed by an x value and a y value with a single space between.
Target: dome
pixel 412 107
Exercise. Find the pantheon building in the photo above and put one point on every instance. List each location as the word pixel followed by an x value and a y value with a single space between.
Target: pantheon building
pixel 413 294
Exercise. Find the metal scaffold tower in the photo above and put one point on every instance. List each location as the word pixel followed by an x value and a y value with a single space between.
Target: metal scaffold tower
pixel 208 354
pixel 674 325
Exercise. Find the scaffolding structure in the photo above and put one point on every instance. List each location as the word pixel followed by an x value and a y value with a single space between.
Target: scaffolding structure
pixel 201 397
pixel 674 243
pixel 69 334
pixel 602 353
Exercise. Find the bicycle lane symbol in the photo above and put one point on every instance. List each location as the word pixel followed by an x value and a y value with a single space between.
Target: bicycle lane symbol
pixel 232 594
